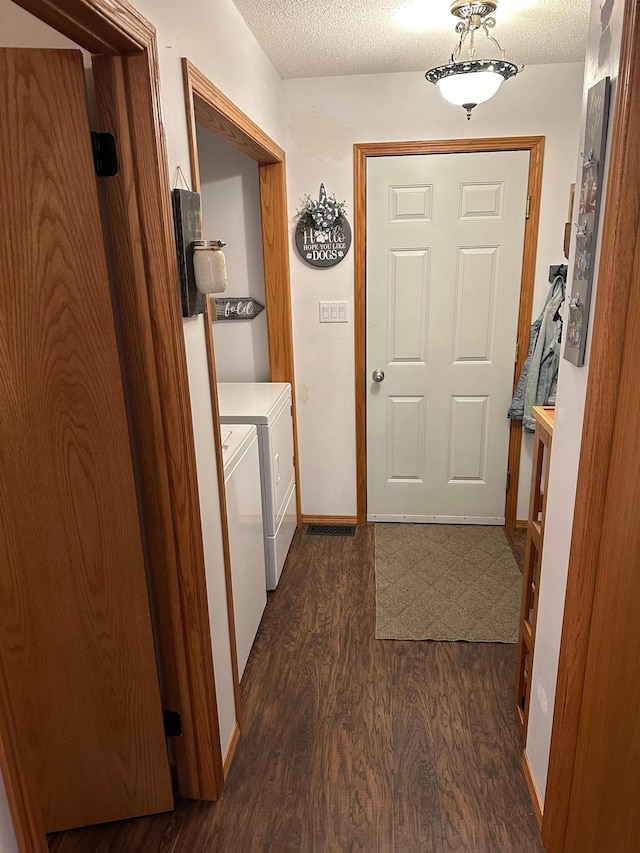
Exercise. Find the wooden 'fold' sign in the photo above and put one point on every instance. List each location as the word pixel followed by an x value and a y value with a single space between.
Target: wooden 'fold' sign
pixel 237 308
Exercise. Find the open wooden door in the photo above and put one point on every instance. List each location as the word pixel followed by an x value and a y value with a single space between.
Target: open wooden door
pixel 75 630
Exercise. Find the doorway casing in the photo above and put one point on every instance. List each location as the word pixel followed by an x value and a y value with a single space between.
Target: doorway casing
pixel 207 106
pixel 361 151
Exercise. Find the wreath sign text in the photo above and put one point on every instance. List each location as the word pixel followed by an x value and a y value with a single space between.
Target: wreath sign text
pixel 323 235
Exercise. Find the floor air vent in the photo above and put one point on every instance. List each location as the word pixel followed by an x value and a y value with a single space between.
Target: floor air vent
pixel 331 530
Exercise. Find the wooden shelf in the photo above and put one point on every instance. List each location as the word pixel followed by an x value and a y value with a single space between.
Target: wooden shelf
pixel 544 416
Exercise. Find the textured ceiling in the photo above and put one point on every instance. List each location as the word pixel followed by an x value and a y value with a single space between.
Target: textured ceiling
pixel 321 38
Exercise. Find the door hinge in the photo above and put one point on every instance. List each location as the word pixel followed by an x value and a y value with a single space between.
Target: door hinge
pixel 105 156
pixel 528 214
pixel 508 480
pixel 172 723
pixel 517 351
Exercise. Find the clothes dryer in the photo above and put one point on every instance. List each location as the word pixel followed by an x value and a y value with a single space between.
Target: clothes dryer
pixel 267 405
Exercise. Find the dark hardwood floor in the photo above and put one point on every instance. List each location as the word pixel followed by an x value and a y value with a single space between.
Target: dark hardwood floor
pixel 351 743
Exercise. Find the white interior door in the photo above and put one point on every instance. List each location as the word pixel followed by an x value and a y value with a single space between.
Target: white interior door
pixel 445 235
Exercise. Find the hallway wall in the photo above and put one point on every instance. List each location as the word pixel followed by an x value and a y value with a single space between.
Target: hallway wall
pixel 230 189
pixel 603 58
pixel 325 116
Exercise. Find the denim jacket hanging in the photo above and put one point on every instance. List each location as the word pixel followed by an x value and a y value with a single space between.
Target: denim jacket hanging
pixel 539 378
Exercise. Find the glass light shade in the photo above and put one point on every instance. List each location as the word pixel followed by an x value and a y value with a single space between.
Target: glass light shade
pixel 472 87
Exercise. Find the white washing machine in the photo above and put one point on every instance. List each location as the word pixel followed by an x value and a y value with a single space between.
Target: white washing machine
pixel 267 405
pixel 241 459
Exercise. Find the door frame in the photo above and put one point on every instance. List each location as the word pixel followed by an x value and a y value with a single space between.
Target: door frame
pixel 611 358
pixel 206 105
pixel 126 75
pixel 361 151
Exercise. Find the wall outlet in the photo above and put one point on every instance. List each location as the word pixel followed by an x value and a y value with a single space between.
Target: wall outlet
pixel 334 312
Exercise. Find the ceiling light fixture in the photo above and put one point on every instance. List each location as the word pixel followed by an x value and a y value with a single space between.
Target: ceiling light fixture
pixel 473 81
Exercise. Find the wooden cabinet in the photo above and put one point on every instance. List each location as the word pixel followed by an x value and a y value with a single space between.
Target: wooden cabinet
pixel 532 561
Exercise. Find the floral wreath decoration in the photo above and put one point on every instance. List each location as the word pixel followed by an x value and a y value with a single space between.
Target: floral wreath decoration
pixel 323 212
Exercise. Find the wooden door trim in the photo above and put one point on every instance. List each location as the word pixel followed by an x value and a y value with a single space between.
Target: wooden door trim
pixel 161 406
pixel 617 276
pixel 107 27
pixel 206 105
pixel 361 151
pixel 213 110
pixel 145 258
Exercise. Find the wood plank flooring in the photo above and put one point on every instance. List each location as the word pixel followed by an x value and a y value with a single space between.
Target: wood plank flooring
pixel 351 743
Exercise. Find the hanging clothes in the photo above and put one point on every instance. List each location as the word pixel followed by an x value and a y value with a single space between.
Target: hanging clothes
pixel 539 378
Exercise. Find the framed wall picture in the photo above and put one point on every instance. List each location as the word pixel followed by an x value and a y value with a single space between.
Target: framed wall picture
pixel 590 193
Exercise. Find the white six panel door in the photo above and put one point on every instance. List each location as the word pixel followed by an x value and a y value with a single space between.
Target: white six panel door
pixel 445 236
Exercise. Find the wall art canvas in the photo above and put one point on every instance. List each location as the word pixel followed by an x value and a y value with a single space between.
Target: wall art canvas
pixel 590 194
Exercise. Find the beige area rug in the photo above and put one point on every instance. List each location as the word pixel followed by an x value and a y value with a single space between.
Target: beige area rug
pixel 446 582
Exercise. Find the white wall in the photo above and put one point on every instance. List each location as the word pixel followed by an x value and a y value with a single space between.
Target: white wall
pixel 230 193
pixel 602 60
pixel 324 118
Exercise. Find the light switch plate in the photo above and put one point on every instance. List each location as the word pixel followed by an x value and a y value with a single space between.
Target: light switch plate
pixel 334 312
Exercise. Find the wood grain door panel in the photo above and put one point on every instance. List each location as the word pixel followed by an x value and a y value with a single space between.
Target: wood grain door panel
pixel 75 630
